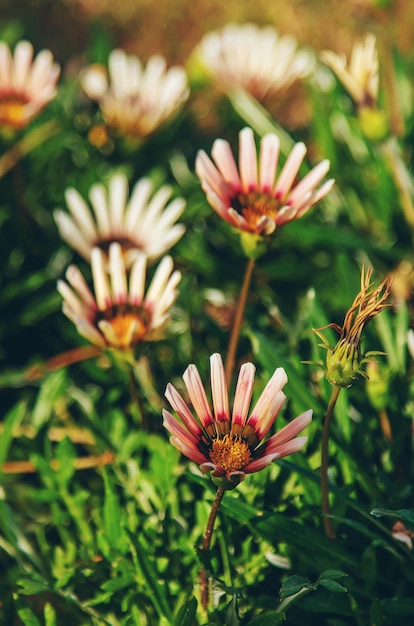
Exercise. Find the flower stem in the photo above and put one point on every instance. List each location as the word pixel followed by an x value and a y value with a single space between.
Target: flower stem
pixel 29 142
pixel 207 537
pixel 238 319
pixel 324 462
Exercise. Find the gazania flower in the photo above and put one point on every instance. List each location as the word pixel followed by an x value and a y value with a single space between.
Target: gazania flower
pixel 143 223
pixel 253 58
pixel 231 446
pixel 360 77
pixel 26 85
pixel 400 532
pixel 119 315
pixel 135 100
pixel 252 198
pixel 344 361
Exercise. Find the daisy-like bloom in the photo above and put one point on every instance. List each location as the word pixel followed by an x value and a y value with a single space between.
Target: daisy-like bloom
pixel 119 315
pixel 256 59
pixel 26 85
pixel 231 446
pixel 144 223
pixel 135 100
pixel 344 361
pixel 361 76
pixel 251 198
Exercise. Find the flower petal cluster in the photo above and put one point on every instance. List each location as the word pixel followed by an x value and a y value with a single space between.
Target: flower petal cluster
pixel 26 85
pixel 360 76
pixel 119 315
pixel 252 197
pixel 256 59
pixel 135 100
pixel 232 445
pixel 144 223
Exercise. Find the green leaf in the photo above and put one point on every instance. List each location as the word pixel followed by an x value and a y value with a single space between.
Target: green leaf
pixel 50 615
pixel 321 601
pixel 268 619
pixel 406 515
pixel 332 574
pixel 31 587
pixel 186 614
pixel 395 607
pixel 312 545
pixel 52 388
pixel 112 514
pixel 293 585
pixel 116 584
pixel 11 421
pixel 150 575
pixel 332 585
pixel 65 455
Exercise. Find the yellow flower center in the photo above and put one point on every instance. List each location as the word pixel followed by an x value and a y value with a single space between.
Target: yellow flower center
pixel 253 206
pixel 12 111
pixel 230 453
pixel 128 328
pixel 124 326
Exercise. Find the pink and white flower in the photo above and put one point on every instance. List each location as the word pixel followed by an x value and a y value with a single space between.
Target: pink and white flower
pixel 251 197
pixel 144 223
pixel 119 315
pixel 256 59
pixel 135 100
pixel 232 445
pixel 26 85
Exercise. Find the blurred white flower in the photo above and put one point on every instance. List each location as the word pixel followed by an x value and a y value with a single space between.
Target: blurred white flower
pixel 144 223
pixel 135 100
pixel 360 76
pixel 26 85
pixel 253 58
pixel 119 314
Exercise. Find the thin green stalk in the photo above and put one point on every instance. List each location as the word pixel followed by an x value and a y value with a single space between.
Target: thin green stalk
pixel 238 320
pixel 207 537
pixel 324 463
pixel 137 413
pixel 402 179
pixel 28 143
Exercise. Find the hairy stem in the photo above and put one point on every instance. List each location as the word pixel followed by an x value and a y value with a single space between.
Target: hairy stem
pixel 207 537
pixel 324 462
pixel 238 320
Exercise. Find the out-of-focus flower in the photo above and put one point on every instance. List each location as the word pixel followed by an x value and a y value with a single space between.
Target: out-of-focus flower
pixel 144 223
pixel 256 59
pixel 401 533
pixel 251 198
pixel 231 446
pixel 344 361
pixel 119 315
pixel 26 85
pixel 135 100
pixel 220 307
pixel 361 76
